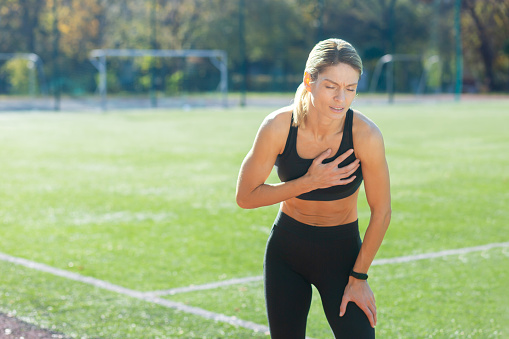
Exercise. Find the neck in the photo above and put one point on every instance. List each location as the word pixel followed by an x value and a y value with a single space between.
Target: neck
pixel 322 126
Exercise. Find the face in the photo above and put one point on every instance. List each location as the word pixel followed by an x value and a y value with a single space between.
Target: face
pixel 334 90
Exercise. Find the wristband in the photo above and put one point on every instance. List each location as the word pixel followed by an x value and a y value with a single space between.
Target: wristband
pixel 360 276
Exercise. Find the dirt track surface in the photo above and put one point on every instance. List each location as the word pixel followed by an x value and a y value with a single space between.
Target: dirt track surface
pixel 13 328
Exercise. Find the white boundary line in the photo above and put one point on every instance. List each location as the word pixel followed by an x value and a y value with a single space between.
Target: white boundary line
pixel 376 262
pixel 153 296
pixel 432 255
pixel 135 294
pixel 208 286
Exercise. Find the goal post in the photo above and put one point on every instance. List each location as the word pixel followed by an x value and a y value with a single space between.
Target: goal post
pixel 218 58
pixel 389 60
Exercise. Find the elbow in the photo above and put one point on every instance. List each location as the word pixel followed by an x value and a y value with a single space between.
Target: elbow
pixel 388 215
pixel 243 202
pixel 383 215
pixel 244 196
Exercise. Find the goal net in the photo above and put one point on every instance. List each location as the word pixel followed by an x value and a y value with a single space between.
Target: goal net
pixel 161 78
pixel 406 74
pixel 22 80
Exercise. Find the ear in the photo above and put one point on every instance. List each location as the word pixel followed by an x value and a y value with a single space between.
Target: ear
pixel 307 81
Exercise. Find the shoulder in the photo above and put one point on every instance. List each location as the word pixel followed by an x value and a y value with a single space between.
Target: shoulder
pixel 275 127
pixel 367 137
pixel 279 119
pixel 364 127
pixel 277 123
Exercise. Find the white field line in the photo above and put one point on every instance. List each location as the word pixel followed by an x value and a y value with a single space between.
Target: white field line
pixel 208 286
pixel 136 294
pixel 376 262
pixel 458 251
pixel 153 296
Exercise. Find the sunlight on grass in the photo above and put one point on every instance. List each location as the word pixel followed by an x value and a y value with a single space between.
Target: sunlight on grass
pixel 145 200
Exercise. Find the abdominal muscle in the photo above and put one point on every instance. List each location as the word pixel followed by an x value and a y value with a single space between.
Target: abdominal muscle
pixel 322 213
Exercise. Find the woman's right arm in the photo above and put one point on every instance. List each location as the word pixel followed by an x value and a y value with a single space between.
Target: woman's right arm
pixel 253 192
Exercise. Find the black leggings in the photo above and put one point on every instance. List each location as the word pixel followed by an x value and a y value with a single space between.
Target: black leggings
pixel 299 255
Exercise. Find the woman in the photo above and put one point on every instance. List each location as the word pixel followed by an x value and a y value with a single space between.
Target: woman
pixel 322 150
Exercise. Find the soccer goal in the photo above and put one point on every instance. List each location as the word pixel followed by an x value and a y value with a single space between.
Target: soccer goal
pixel 414 75
pixel 184 76
pixel 24 72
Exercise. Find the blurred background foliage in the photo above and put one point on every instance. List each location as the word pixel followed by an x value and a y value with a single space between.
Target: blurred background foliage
pixel 277 34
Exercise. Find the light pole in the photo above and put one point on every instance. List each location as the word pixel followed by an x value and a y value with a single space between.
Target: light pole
pixel 242 50
pixel 320 30
pixel 153 45
pixel 459 51
pixel 56 66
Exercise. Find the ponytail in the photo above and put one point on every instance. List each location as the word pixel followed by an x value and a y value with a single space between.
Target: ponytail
pixel 300 105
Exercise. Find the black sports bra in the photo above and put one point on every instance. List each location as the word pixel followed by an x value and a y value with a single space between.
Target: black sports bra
pixel 291 166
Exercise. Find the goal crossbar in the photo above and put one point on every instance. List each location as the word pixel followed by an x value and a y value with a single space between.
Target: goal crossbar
pixel 217 57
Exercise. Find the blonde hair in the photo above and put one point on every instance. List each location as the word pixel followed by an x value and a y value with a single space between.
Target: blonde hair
pixel 326 53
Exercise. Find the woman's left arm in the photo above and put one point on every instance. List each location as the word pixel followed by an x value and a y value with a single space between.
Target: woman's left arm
pixel 369 148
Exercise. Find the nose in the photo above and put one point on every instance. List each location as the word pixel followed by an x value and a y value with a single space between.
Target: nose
pixel 340 95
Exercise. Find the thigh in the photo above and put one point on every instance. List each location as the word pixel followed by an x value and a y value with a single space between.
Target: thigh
pixel 331 285
pixel 354 324
pixel 287 294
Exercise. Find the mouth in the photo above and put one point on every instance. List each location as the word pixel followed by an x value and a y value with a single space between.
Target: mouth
pixel 337 109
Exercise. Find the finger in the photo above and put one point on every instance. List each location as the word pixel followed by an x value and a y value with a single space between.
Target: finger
pixel 373 311
pixel 346 181
pixel 350 169
pixel 366 309
pixel 319 159
pixel 342 157
pixel 374 314
pixel 369 314
pixel 342 307
pixel 373 306
pixel 343 178
pixel 372 320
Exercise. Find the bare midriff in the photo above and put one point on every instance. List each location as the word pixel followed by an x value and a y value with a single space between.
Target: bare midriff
pixel 322 213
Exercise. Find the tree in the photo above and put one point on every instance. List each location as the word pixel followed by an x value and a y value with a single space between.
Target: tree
pixel 487 26
pixel 80 24
pixel 278 33
pixel 19 21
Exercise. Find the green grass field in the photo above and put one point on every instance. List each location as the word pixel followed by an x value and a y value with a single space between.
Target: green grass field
pixel 145 200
